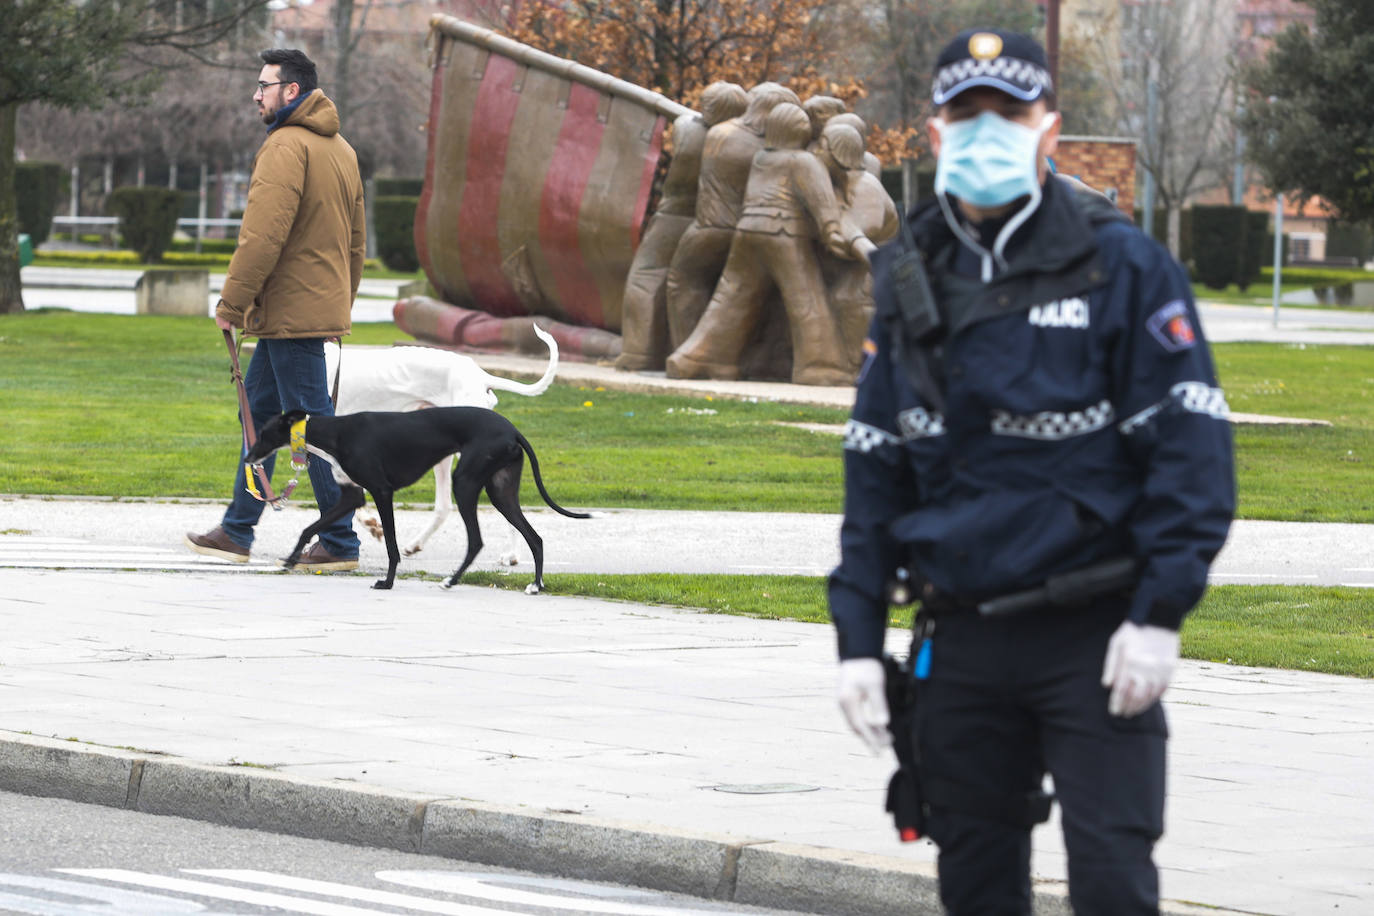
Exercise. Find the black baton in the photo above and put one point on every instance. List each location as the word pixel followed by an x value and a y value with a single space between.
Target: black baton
pixel 1066 589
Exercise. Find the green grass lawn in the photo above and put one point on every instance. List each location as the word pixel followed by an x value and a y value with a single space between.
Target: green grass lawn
pixel 108 405
pixel 78 393
pixel 1303 628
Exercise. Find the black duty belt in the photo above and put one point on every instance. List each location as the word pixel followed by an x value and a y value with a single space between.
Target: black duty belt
pixel 1066 590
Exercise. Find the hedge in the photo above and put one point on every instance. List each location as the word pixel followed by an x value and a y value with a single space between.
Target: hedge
pixel 171 259
pixel 35 195
pixel 398 187
pixel 147 219
pixel 1160 230
pixel 1316 276
pixel 1218 238
pixel 1349 240
pixel 1251 256
pixel 393 219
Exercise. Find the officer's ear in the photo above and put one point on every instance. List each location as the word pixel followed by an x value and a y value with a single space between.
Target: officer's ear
pixel 934 125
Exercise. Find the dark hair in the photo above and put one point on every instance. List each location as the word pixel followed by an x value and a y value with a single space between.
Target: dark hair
pixel 295 67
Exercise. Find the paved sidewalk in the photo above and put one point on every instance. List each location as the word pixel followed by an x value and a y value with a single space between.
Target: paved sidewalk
pixel 74 533
pixel 572 714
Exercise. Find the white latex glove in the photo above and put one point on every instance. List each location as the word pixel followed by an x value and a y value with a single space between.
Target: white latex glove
pixel 864 702
pixel 1140 661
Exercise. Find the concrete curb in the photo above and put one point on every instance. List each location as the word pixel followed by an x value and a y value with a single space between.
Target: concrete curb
pixel 712 866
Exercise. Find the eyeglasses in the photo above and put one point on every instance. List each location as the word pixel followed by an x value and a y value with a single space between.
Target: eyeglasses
pixel 263 87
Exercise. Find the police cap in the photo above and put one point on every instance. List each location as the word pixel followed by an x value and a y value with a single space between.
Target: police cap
pixel 1009 61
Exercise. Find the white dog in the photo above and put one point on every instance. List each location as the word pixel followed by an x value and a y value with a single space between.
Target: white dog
pixel 414 377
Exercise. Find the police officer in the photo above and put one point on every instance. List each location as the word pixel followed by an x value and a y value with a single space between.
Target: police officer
pixel 1039 446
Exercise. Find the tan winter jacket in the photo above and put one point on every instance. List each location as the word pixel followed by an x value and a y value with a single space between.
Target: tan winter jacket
pixel 300 254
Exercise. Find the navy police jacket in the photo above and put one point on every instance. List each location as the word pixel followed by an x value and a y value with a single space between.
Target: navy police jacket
pixel 1076 418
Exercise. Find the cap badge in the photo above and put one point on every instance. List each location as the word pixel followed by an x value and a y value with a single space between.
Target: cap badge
pixel 985 46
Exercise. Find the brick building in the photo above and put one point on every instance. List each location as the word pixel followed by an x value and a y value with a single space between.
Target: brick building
pixel 1105 163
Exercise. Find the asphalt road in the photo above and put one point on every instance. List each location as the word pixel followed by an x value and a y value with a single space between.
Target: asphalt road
pixel 59 858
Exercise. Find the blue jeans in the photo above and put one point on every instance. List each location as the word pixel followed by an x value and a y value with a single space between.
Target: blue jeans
pixel 289 374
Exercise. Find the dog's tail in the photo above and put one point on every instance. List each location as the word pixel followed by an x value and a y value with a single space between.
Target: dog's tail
pixel 530 389
pixel 539 481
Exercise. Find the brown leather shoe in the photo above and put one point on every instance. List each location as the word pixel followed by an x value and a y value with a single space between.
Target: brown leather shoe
pixel 317 559
pixel 216 543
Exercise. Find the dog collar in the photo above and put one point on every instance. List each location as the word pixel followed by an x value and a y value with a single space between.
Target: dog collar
pixel 298 451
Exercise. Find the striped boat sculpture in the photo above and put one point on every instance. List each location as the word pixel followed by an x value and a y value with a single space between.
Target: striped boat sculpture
pixel 537 180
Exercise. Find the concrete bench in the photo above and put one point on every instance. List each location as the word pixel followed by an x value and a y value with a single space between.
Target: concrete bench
pixel 184 291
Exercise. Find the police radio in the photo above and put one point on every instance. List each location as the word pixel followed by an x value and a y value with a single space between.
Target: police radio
pixel 920 316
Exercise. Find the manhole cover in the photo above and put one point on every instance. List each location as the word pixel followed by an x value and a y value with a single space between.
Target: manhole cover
pixel 767 788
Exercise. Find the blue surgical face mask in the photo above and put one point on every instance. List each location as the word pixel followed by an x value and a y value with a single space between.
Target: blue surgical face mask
pixel 988 161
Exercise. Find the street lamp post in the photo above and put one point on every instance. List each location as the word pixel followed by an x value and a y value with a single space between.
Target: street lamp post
pixel 1278 251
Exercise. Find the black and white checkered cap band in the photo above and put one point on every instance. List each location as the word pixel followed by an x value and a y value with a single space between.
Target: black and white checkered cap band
pixel 1020 78
pixel 1052 425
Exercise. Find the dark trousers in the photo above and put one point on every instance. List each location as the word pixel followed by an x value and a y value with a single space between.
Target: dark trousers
pixel 288 374
pixel 1007 700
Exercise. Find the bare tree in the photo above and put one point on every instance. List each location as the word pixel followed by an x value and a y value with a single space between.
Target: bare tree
pixel 1169 67
pixel 83 54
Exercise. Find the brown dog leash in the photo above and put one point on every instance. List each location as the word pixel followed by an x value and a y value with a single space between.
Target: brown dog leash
pixel 249 436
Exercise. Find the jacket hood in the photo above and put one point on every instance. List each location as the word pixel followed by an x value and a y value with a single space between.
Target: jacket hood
pixel 317 113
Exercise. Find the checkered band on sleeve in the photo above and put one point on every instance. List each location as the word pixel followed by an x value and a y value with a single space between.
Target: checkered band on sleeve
pixel 1199 397
pixel 1052 425
pixel 860 437
pixel 1010 69
pixel 919 423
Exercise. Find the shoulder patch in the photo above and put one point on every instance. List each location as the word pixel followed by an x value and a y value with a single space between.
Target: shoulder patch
pixel 1172 327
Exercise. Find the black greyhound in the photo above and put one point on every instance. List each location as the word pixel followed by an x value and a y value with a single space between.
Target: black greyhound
pixel 382 452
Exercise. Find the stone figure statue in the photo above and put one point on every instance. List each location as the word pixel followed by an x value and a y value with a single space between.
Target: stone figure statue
pixel 789 205
pixel 872 164
pixel 644 316
pixel 725 165
pixel 865 207
pixel 820 109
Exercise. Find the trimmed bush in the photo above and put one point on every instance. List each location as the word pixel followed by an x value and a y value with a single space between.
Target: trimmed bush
pixel 398 187
pixel 1159 231
pixel 393 219
pixel 1349 240
pixel 147 219
pixel 35 195
pixel 1218 236
pixel 1252 248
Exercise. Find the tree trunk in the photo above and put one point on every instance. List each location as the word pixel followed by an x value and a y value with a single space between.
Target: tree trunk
pixel 340 80
pixel 1175 228
pixel 11 288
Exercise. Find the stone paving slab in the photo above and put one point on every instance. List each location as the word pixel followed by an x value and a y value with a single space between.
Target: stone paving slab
pixel 601 713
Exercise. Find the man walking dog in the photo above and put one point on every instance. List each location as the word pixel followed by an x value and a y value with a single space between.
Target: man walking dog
pixel 291 284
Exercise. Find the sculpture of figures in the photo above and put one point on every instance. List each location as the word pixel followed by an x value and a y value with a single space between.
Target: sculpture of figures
pixel 789 203
pixel 866 207
pixel 820 109
pixel 644 318
pixel 702 251
pixel 872 164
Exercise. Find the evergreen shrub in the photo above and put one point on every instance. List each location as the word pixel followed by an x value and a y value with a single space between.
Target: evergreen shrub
pixel 36 185
pixel 1218 237
pixel 393 219
pixel 147 219
pixel 398 187
pixel 1252 248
